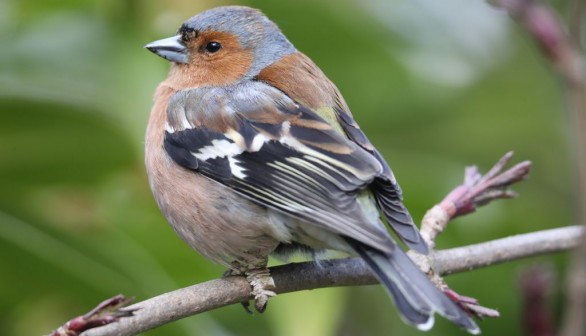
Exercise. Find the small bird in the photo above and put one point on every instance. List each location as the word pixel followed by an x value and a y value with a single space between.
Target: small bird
pixel 252 151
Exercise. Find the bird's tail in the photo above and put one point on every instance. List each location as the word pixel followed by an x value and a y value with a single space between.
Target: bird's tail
pixel 414 294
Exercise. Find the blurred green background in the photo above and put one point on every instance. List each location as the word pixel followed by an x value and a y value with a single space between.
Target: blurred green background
pixel 436 85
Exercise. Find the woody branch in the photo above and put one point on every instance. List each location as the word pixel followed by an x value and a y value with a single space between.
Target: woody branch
pixel 218 293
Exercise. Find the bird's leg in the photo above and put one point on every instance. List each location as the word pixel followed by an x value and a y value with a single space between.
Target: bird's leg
pixel 262 287
pixel 258 276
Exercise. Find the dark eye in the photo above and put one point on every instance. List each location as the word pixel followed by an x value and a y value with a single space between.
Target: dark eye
pixel 213 46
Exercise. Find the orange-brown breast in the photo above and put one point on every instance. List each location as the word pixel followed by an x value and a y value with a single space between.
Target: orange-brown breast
pixel 217 222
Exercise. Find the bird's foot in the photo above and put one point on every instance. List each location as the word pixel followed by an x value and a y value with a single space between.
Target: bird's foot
pixel 262 288
pixel 470 305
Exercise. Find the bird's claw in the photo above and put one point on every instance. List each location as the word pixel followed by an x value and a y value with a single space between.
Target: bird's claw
pixel 261 283
pixel 262 288
pixel 261 300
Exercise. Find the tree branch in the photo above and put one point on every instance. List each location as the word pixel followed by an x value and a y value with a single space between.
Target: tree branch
pixel 218 293
pixel 467 258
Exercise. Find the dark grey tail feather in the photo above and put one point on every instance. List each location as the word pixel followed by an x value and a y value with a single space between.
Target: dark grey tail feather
pixel 388 196
pixel 400 221
pixel 409 314
pixel 413 293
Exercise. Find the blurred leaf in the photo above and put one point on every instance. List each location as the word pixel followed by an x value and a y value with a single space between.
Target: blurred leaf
pixel 48 143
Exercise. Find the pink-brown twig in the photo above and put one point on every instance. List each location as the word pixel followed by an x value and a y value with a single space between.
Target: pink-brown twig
pixel 470 305
pixel 110 310
pixel 476 190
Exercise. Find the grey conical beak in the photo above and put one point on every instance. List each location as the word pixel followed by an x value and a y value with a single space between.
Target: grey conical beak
pixel 171 49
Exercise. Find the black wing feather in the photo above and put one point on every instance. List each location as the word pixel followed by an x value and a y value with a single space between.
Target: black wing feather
pixel 303 167
pixel 386 190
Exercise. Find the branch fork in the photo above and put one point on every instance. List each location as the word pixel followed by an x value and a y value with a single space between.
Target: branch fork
pixel 476 190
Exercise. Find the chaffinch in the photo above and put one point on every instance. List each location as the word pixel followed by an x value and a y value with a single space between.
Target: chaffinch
pixel 251 150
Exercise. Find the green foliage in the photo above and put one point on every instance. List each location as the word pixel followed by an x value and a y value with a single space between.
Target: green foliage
pixel 78 223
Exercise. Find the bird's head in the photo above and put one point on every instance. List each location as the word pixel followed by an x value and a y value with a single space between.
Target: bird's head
pixel 234 41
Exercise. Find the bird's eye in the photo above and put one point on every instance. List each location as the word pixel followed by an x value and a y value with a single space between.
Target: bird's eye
pixel 213 47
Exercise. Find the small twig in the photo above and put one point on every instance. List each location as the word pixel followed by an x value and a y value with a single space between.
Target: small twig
pixel 544 26
pixel 475 191
pixel 109 311
pixel 471 306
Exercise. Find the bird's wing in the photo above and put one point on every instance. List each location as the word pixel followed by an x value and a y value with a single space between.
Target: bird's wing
pixel 386 189
pixel 253 138
pixel 304 82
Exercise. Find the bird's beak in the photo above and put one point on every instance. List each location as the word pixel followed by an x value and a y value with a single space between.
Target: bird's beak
pixel 171 49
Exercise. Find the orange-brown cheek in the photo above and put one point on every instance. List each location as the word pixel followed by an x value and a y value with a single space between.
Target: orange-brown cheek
pixel 225 67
